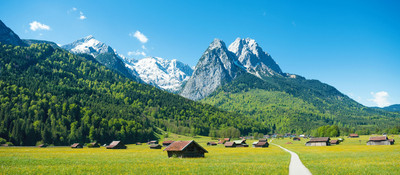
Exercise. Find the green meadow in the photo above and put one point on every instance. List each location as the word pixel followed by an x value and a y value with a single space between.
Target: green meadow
pixel 352 156
pixel 139 159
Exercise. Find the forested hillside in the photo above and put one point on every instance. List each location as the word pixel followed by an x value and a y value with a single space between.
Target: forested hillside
pixel 298 105
pixel 51 96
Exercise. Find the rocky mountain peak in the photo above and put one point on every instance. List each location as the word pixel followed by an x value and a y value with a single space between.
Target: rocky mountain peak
pixel 7 36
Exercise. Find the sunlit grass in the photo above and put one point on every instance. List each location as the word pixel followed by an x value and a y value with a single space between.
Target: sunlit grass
pixel 352 156
pixel 139 159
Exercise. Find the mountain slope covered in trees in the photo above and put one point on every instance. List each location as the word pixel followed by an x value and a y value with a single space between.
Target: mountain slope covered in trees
pixel 297 105
pixel 50 95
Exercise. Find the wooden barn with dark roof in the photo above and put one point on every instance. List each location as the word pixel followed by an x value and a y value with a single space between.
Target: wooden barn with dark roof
pixel 335 142
pixel 261 145
pixel 184 149
pixel 167 143
pixel 379 140
pixel 155 146
pixel 353 136
pixel 93 145
pixel 319 141
pixel 116 145
pixel 230 144
pixel 76 145
pixel 211 144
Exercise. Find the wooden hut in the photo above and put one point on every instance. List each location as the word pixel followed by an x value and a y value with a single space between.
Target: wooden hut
pixel 230 144
pixel 240 143
pixel 335 142
pixel 138 143
pixel 211 144
pixel 391 141
pixel 184 149
pixel 353 135
pixel 261 145
pixel 76 145
pixel 254 144
pixel 155 146
pixel 296 138
pixel 167 143
pixel 116 145
pixel 152 142
pixel 42 146
pixel 93 145
pixel 380 140
pixel 319 141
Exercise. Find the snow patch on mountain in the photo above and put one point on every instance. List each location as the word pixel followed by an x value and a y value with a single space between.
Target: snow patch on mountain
pixel 88 45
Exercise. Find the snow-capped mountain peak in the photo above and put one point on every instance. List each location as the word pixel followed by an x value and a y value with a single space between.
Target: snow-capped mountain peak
pixel 88 45
pixel 166 74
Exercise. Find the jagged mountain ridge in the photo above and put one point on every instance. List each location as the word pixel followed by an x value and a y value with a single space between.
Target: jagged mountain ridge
pixel 220 65
pixel 165 74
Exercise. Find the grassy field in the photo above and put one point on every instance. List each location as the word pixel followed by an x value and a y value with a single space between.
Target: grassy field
pixel 139 159
pixel 352 156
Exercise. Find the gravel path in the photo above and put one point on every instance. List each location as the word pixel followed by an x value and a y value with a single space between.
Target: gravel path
pixel 295 166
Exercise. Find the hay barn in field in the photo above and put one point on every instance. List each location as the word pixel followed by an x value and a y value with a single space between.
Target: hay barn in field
pixel 94 145
pixel 319 141
pixel 335 142
pixel 354 136
pixel 152 142
pixel 138 143
pixel 184 149
pixel 116 145
pixel 76 145
pixel 240 143
pixel 211 144
pixel 167 143
pixel 262 145
pixel 42 146
pixel 155 146
pixel 229 144
pixel 296 139
pixel 379 140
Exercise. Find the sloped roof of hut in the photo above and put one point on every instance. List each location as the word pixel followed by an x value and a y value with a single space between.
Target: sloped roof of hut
pixel 319 139
pixel 182 145
pixel 378 138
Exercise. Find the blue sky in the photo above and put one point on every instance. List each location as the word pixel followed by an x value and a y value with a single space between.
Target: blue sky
pixel 351 45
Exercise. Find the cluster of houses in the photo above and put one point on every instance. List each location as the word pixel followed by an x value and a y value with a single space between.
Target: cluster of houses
pixel 326 141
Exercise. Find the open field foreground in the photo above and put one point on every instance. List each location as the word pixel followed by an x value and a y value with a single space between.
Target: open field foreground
pixel 349 157
pixel 139 159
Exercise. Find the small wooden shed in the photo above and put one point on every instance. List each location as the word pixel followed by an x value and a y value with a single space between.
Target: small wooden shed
pixel 211 144
pixel 240 143
pixel 230 144
pixel 138 143
pixel 335 142
pixel 319 141
pixel 379 140
pixel 167 143
pixel 42 146
pixel 116 145
pixel 94 145
pixel 296 138
pixel 262 145
pixel 155 146
pixel 76 145
pixel 353 135
pixel 184 149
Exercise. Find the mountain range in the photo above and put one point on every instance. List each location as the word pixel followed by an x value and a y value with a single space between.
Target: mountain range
pixel 87 91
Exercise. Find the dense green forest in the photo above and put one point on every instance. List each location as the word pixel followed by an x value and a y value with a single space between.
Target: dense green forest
pixel 48 95
pixel 298 105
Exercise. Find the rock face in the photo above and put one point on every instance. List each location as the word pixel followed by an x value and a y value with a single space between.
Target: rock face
pixel 253 58
pixel 220 65
pixel 7 36
pixel 216 67
pixel 102 53
pixel 165 74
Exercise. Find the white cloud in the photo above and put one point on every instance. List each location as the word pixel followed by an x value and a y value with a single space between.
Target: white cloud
pixel 81 16
pixel 38 26
pixel 74 9
pixel 136 53
pixel 380 98
pixel 144 47
pixel 139 35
